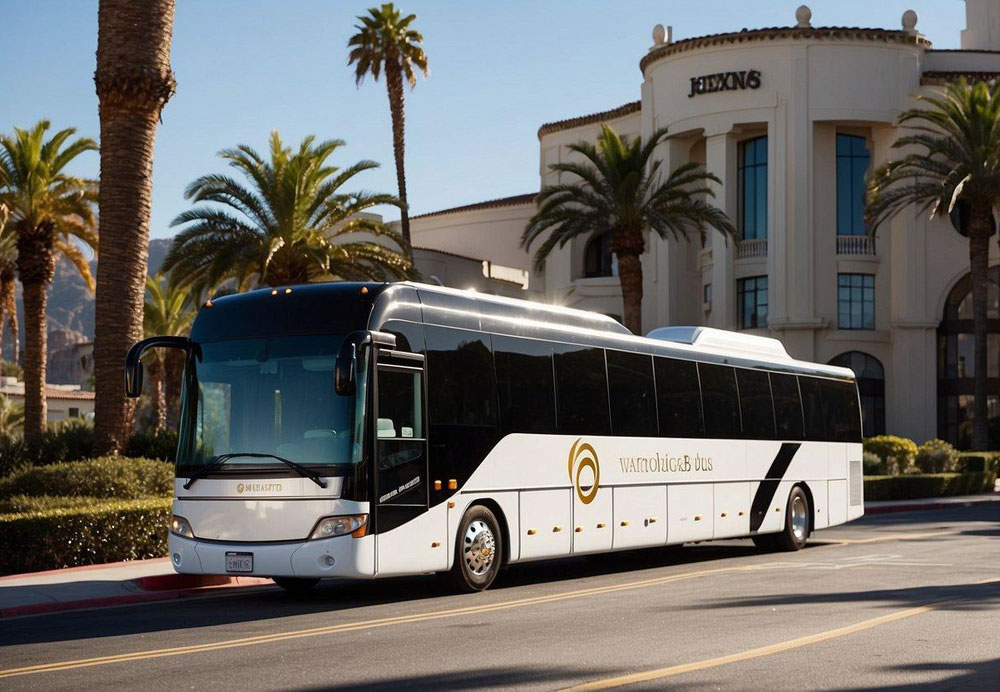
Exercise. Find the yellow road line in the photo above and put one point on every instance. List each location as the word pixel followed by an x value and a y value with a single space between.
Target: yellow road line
pixel 371 624
pixel 758 652
pixel 399 620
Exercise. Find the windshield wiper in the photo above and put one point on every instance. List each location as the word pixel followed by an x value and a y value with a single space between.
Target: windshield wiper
pixel 217 462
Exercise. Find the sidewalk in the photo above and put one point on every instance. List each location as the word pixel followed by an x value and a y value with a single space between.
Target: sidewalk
pixel 145 581
pixel 100 586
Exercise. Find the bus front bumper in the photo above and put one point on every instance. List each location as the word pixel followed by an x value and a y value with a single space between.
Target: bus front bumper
pixel 343 556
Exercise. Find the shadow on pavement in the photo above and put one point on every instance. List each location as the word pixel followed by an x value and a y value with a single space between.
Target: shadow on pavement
pixel 478 679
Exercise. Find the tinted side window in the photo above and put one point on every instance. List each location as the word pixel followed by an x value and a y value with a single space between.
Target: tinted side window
pixel 812 408
pixel 756 409
pixel 720 401
pixel 843 418
pixel 787 406
pixel 581 391
pixel 525 385
pixel 633 407
pixel 678 397
pixel 461 386
pixel 409 335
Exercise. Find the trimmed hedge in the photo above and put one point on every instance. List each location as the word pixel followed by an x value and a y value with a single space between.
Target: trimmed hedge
pixel 915 486
pixel 120 478
pixel 111 531
pixel 19 504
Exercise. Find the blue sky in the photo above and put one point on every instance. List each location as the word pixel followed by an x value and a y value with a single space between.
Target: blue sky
pixel 498 71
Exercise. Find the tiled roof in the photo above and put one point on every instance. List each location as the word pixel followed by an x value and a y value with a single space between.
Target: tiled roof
pixel 940 77
pixel 51 393
pixel 618 112
pixel 785 32
pixel 513 201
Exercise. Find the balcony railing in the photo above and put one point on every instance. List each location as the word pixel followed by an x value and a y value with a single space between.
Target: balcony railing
pixel 855 245
pixel 752 248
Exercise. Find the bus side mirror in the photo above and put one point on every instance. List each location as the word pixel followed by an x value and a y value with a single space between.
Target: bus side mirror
pixel 344 371
pixel 133 362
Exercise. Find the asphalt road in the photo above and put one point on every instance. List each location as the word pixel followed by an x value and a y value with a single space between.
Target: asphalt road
pixel 899 601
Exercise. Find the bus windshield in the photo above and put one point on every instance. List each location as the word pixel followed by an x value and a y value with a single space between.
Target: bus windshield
pixel 268 396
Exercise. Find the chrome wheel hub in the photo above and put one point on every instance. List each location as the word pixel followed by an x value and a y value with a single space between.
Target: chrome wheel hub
pixel 479 548
pixel 800 522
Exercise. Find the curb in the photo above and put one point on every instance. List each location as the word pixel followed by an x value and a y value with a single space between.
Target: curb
pixel 918 506
pixel 160 587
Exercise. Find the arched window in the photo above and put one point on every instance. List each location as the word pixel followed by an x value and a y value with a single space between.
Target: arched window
pixel 871 386
pixel 598 260
pixel 956 364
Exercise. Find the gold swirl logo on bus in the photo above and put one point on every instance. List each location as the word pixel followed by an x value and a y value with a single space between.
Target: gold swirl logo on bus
pixel 584 471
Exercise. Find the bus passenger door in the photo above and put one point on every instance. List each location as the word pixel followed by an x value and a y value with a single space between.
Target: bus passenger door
pixel 409 539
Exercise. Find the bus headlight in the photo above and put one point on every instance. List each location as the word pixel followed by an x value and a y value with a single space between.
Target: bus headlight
pixel 181 527
pixel 329 527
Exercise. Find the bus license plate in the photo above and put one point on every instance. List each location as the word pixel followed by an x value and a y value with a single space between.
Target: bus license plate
pixel 239 562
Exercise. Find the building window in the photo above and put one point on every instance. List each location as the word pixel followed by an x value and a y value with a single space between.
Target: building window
pixel 853 160
pixel 752 188
pixel 706 294
pixel 598 260
pixel 956 364
pixel 870 376
pixel 856 301
pixel 751 301
pixel 74 412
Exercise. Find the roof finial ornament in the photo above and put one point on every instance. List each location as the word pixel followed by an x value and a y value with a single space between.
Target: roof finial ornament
pixel 662 36
pixel 802 15
pixel 910 22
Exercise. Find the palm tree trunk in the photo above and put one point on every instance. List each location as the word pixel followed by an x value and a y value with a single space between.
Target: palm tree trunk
pixel 979 247
pixel 134 81
pixel 157 395
pixel 35 300
pixel 9 290
pixel 394 85
pixel 630 278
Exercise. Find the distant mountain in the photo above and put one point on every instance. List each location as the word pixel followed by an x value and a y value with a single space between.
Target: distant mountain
pixel 71 316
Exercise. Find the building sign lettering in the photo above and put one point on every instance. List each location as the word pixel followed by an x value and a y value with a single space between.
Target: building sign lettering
pixel 725 81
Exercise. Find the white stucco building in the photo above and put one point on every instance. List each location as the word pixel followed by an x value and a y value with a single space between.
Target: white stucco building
pixel 790 119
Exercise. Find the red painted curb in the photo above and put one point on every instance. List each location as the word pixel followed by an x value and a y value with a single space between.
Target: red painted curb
pixel 83 568
pixel 164 582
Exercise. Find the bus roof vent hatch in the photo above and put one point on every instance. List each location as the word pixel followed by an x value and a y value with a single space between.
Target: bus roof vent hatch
pixel 721 340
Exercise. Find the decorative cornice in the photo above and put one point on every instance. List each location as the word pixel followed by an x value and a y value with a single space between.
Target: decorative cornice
pixel 788 32
pixel 513 201
pixel 569 123
pixel 942 77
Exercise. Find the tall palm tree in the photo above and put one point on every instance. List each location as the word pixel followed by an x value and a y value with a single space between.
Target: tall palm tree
pixel 51 212
pixel 169 311
pixel 955 158
pixel 618 191
pixel 290 224
pixel 8 275
pixel 134 81
pixel 385 42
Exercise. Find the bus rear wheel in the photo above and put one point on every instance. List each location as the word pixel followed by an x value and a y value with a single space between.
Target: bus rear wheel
pixel 796 532
pixel 296 585
pixel 478 550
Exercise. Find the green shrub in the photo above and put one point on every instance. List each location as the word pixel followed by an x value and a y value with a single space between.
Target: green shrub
pixel 910 487
pixel 111 531
pixel 936 456
pixel 978 461
pixel 119 478
pixel 67 440
pixel 12 456
pixel 153 445
pixel 19 504
pixel 872 465
pixel 897 453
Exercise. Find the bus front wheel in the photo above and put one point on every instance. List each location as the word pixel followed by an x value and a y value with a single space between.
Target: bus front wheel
pixel 796 531
pixel 478 550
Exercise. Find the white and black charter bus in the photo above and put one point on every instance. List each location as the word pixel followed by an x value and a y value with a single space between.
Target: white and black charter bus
pixel 368 430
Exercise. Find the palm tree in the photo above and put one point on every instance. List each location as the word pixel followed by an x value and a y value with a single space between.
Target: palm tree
pixel 620 192
pixel 8 275
pixel 134 81
pixel 11 417
pixel 291 224
pixel 385 42
pixel 50 211
pixel 956 159
pixel 168 312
